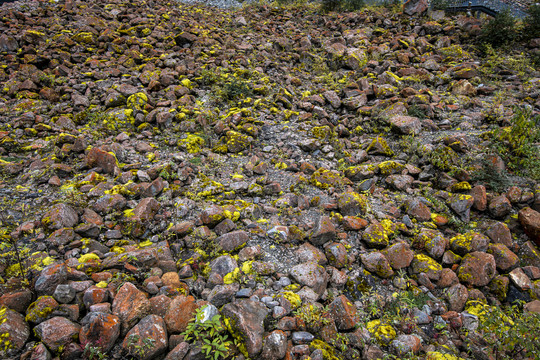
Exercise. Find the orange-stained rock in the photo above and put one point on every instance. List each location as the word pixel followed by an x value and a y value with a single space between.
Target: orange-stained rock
pixel 17 300
pixel 100 330
pixel 148 339
pixel 99 158
pixel 57 332
pixel 180 312
pixel 344 313
pixel 95 295
pixel 530 220
pixel 15 327
pixel 41 309
pixel 130 305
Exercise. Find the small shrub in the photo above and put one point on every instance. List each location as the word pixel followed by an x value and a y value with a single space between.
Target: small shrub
pixel 518 145
pixel 531 24
pixel 500 30
pixel 342 5
pixel 440 4
pixel 494 179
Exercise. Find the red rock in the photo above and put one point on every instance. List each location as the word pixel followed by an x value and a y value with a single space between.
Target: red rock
pixel 232 241
pixel 179 313
pixel 148 339
pixel 100 330
pixel 57 332
pixel 99 158
pixel 499 233
pixel 130 305
pixel 354 223
pixel 41 309
pixel 399 255
pixel 344 313
pixel 418 210
pixel 505 259
pixel 377 263
pixel 499 206
pixel 95 295
pixel 312 275
pixel 60 216
pixel 13 325
pixel 109 203
pixel 407 125
pixel 336 253
pixel 530 220
pixel 457 296
pixel 477 269
pixel 323 232
pixel 146 209
pixel 17 300
pixel 178 352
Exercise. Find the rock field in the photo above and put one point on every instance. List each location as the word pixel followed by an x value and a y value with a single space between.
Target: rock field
pixel 269 182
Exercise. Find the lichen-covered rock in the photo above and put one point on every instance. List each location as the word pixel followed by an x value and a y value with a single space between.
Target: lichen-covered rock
pixel 275 346
pixel 312 275
pixel 500 206
pixel 232 241
pixel 352 204
pixel 14 329
pixel 244 320
pixel 375 236
pixel 148 339
pixel 60 216
pixel 471 241
pixel 57 332
pixel 130 305
pixel 377 263
pixel 102 159
pixel 344 313
pixel 424 264
pixel 530 220
pixel 179 313
pixel 100 330
pixel 477 269
pixel 323 232
pixel 505 259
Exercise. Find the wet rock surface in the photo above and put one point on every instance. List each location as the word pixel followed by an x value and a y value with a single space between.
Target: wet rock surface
pixel 308 184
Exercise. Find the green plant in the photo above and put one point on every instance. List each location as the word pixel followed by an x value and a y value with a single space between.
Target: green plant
pixel 93 352
pixel 211 333
pixel 12 254
pixel 139 349
pixel 518 144
pixel 314 317
pixel 342 5
pixel 501 30
pixel 417 111
pixel 440 4
pixel 531 24
pixel 493 178
pixel 508 331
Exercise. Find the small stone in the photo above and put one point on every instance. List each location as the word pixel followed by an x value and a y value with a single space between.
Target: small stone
pixel 520 279
pixel 64 294
pixel 274 346
pixel 377 263
pixel 499 232
pixel 302 337
pixel 406 125
pixel 418 210
pixel 57 332
pixel 179 313
pixel 500 206
pixel 60 216
pixel 457 296
pixel 504 258
pixel 312 275
pixel 480 198
pixel 406 344
pixel 50 278
pixel 344 313
pixel 99 158
pixel 100 329
pixel 232 241
pixel 323 232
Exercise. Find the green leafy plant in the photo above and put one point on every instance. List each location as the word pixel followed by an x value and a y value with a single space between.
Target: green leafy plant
pixel 508 331
pixel 93 352
pixel 489 175
pixel 314 317
pixel 518 144
pixel 210 333
pixel 342 5
pixel 531 24
pixel 139 349
pixel 440 4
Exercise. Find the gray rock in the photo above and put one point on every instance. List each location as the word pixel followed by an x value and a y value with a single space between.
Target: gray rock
pixel 245 318
pixel 312 275
pixel 64 294
pixel 302 337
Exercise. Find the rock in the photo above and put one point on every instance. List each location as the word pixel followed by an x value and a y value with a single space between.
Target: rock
pixel 461 204
pixel 406 125
pixel 377 263
pixel 399 255
pixel 14 329
pixel 309 253
pixel 212 215
pixel 471 241
pixel 477 269
pixel 400 182
pixel 406 344
pixel 223 265
pixel 245 318
pixel 102 159
pixel 100 330
pixel 50 278
pixel 61 237
pixel 41 309
pixel 95 295
pixel 146 209
pixel 418 210
pixel 529 254
pixel 312 275
pixel 480 198
pixel 274 346
pixel 532 307
pixel 344 313
pixel 223 294
pixel 352 204
pixel 232 241
pixel 60 216
pixel 457 296
pixel 17 300
pixel 530 220
pixel 64 294
pixel 179 352
pixel 415 7
pixel 520 279
pixel 148 339
pixel 179 313
pixel 354 223
pixel 505 259
pixel 323 232
pixel 424 264
pixel 57 332
pixel 336 254
pixel 130 305
pixel 375 236
pixel 499 233
pixel 40 352
pixel 109 203
pixel 463 87
pixel 500 206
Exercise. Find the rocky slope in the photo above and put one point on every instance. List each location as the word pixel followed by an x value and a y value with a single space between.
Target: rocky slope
pixel 325 186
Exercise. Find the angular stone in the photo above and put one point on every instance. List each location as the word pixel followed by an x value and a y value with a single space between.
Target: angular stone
pixel 354 223
pixel 461 204
pixel 529 254
pixel 323 232
pixel 14 328
pixel 352 204
pixel 415 7
pixel 505 259
pixel 223 294
pixel 61 237
pixel 41 309
pixel 312 275
pixel 344 313
pixel 232 241
pixel 499 233
pixel 274 346
pixel 530 220
pixel 60 216
pixel 309 253
pixel 49 278
pixel 109 203
pixel 223 265
pixel 406 344
pixel 99 158
pixel 17 300
pixel 245 318
pixel 64 294
pixel 336 254
pixel 520 279
pixel 480 197
pixel 212 215
pixel 95 295
pixel 399 255
pixel 377 263
pixel 457 296
pixel 179 352
pixel 400 182
pixel 179 313
pixel 375 236
pixel 471 241
pixel 424 264
pixel 500 206
pixel 418 210
pixel 100 329
pixel 150 330
pixel 146 209
pixel 477 269
pixel 406 125
pixel 130 305
pixel 57 332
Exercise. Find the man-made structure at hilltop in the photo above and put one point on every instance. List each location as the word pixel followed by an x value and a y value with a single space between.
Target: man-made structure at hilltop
pixel 490 7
